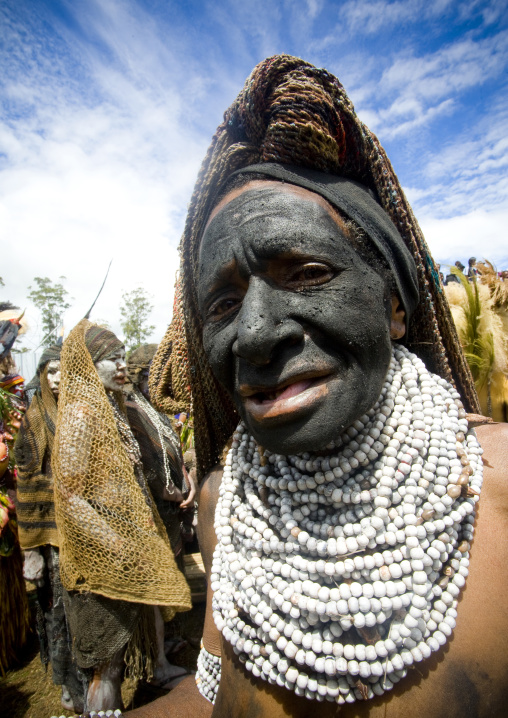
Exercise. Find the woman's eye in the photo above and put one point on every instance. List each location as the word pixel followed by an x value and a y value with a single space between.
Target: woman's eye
pixel 310 275
pixel 222 307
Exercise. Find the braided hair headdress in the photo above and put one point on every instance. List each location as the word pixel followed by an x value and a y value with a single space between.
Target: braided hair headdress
pixel 292 113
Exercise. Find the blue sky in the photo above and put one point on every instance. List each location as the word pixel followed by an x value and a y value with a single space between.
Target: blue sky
pixel 108 106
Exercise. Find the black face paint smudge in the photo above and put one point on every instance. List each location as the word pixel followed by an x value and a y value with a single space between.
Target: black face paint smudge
pixel 296 324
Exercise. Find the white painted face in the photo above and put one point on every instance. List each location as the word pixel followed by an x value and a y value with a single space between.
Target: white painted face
pixel 53 376
pixel 112 370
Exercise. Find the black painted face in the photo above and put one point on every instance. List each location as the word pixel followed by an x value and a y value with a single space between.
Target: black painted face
pixel 296 324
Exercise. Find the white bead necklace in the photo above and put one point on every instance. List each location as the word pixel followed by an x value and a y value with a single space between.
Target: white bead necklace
pixel 333 574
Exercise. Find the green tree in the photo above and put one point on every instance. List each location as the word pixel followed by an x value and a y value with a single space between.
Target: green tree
pixel 135 312
pixel 102 323
pixel 478 345
pixel 51 299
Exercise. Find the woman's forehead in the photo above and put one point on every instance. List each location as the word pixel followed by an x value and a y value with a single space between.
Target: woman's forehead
pixel 263 221
pixel 118 352
pixel 278 187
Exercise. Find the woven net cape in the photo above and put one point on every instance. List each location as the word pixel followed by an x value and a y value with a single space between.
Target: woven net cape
pixel 169 378
pixel 112 541
pixel 34 492
pixel 293 113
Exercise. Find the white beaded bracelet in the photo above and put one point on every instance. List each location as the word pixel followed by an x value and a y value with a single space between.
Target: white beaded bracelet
pixel 208 674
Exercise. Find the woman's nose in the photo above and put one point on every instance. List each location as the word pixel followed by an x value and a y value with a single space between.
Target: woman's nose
pixel 264 323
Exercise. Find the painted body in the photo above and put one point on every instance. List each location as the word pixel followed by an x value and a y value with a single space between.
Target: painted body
pixel 297 328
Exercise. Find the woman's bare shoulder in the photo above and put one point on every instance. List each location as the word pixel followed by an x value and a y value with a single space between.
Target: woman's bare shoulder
pixel 493 439
pixel 209 492
pixel 207 500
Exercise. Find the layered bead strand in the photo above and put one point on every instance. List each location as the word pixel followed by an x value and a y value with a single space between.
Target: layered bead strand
pixel 208 674
pixel 334 573
pixel 94 714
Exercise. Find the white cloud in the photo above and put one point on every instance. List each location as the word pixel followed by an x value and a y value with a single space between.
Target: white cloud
pixel 371 17
pixel 314 7
pixel 469 174
pixel 458 66
pixel 392 123
pixel 481 234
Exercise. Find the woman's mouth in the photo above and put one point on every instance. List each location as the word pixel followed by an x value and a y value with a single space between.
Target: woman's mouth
pixel 299 395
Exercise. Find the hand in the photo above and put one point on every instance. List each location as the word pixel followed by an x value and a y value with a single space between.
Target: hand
pixel 189 501
pixel 33 567
pixel 174 495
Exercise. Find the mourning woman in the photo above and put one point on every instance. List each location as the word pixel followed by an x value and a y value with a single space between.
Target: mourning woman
pixel 37 528
pixel 116 562
pixel 339 532
pixel 171 486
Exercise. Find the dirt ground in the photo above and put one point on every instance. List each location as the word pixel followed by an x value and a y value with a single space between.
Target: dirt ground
pixel 27 690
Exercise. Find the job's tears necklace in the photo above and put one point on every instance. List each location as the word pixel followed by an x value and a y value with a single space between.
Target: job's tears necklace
pixel 333 574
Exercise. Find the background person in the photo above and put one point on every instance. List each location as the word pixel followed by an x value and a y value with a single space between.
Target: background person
pixel 38 533
pixel 117 565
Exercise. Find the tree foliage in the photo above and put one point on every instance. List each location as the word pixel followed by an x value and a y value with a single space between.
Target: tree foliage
pixel 51 299
pixel 135 312
pixel 478 345
pixel 102 323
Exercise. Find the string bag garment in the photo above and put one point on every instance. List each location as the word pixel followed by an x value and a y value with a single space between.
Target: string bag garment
pixel 35 506
pixel 112 541
pixel 37 528
pixel 169 378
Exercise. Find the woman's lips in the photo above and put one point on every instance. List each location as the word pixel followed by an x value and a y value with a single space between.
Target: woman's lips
pixel 294 397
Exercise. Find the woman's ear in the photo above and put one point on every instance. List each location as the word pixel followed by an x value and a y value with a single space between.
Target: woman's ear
pixel 398 320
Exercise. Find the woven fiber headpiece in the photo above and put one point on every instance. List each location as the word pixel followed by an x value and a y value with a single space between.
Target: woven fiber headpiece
pixel 112 541
pixel 292 113
pixel 101 342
